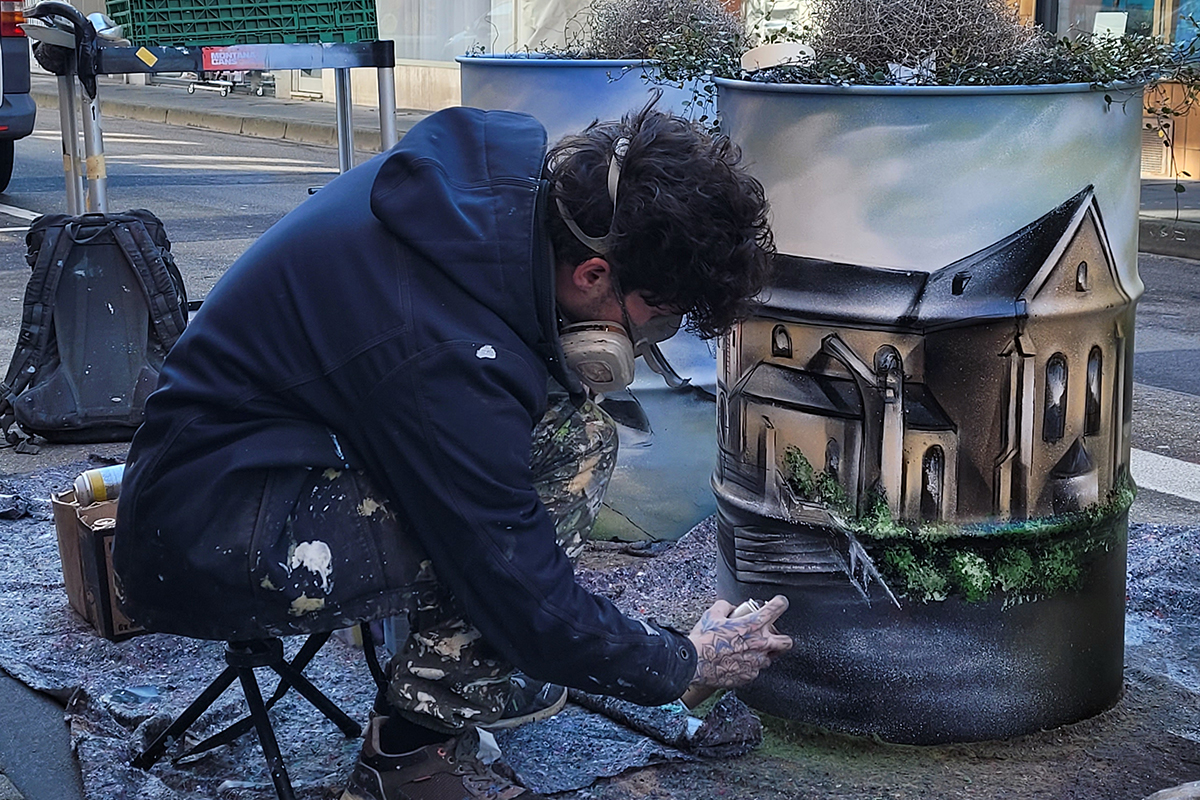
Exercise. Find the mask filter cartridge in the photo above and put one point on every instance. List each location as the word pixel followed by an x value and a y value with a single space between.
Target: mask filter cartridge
pixel 600 353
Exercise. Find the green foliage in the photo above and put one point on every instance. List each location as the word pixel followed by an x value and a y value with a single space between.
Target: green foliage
pixel 1058 568
pixel 1027 558
pixel 921 579
pixel 928 562
pixel 798 471
pixel 1014 569
pixel 970 575
pixel 812 486
pixel 876 519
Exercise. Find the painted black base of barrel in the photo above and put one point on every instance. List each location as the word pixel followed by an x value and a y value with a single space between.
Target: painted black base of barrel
pixel 939 672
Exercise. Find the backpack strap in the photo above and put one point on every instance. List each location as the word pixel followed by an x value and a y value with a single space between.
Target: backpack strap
pixel 37 314
pixel 168 306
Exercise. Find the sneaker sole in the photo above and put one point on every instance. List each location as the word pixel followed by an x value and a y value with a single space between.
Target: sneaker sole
pixel 536 716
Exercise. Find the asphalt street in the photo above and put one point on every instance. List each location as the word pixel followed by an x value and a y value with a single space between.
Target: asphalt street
pixel 216 193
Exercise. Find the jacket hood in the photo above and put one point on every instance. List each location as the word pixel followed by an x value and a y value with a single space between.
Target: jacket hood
pixel 464 190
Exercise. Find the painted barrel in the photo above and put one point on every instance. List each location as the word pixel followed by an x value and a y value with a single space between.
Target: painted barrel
pixel 923 432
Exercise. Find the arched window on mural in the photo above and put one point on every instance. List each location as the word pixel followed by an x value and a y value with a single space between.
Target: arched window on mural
pixel 933 468
pixel 833 458
pixel 781 342
pixel 1095 377
pixel 1054 420
pixel 1081 277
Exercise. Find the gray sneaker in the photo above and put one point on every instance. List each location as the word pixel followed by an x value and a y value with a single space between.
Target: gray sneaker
pixel 447 771
pixel 531 701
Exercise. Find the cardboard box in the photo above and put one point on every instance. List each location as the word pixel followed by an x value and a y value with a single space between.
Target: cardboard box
pixel 85 538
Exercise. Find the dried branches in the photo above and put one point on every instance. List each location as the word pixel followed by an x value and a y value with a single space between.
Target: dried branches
pixel 650 29
pixel 926 34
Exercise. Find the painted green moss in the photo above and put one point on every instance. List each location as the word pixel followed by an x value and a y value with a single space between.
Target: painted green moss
pixel 815 487
pixel 918 576
pixel 971 576
pixel 1014 569
pixel 929 562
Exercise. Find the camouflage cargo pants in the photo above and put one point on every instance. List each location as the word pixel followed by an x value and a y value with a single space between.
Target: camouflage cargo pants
pixel 446 677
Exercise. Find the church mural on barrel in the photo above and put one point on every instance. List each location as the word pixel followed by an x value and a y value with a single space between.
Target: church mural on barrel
pixel 997 387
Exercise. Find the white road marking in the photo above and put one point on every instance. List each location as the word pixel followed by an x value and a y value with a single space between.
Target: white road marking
pixel 14 230
pixel 234 167
pixel 19 213
pixel 126 138
pixel 1157 473
pixel 215 158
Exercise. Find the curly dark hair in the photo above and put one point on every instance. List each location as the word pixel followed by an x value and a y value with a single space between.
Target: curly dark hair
pixel 690 229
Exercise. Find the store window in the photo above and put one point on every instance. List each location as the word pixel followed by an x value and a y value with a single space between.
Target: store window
pixel 440 30
pixel 1148 17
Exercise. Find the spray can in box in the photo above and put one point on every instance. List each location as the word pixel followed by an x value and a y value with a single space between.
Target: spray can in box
pixel 98 485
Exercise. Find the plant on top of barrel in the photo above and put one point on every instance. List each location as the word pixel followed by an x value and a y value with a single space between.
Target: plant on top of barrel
pixel 957 43
pixel 688 35
pixel 692 32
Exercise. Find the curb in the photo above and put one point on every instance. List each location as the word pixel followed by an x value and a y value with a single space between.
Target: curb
pixel 365 139
pixel 1164 236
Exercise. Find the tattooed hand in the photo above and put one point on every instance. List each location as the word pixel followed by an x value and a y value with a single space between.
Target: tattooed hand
pixel 732 650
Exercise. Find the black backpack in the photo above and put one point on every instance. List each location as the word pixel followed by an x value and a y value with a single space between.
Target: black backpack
pixel 104 305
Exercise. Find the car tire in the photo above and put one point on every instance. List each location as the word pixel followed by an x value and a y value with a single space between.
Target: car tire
pixel 6 162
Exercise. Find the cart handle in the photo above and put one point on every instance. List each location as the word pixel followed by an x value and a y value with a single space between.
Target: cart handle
pixel 86 48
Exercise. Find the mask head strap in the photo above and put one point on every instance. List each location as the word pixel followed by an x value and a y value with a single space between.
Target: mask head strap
pixel 599 244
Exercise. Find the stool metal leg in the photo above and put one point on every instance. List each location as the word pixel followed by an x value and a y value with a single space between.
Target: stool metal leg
pixel 313 695
pixel 266 735
pixel 192 713
pixel 244 725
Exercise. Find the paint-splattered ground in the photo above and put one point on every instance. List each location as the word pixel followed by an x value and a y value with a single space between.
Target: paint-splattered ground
pixel 1149 741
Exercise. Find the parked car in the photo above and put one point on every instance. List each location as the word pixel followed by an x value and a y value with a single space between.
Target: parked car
pixel 17 109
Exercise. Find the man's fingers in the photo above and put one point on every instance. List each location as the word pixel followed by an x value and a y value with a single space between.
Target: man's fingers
pixel 773 609
pixel 720 609
pixel 778 643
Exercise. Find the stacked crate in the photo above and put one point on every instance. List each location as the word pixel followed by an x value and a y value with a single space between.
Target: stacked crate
pixel 225 22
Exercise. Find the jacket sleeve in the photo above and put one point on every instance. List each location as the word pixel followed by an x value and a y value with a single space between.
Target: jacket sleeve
pixel 449 434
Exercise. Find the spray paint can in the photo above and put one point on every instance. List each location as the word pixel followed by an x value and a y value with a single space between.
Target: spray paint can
pixel 98 485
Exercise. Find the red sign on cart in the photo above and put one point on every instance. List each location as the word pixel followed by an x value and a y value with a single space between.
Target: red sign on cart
pixel 232 58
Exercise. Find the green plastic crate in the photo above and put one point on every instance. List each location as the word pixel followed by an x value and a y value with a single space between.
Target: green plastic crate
pixel 225 22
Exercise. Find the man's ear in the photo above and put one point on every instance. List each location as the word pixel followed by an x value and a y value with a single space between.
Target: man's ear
pixel 587 276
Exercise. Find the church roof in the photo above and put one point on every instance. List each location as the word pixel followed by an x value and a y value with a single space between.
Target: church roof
pixel 984 285
pixel 833 396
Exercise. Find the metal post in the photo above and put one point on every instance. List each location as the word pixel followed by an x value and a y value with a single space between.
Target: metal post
pixel 345 118
pixel 69 125
pixel 93 148
pixel 387 107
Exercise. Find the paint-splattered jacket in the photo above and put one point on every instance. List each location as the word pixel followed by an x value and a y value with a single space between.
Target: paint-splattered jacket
pixel 401 322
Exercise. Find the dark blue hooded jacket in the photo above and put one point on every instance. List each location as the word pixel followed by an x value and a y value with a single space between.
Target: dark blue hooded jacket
pixel 400 322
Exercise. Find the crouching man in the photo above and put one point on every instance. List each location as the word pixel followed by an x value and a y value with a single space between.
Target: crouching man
pixel 383 409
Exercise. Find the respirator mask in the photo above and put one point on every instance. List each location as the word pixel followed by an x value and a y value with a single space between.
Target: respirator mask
pixel 601 352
